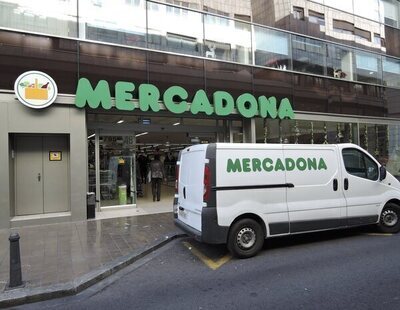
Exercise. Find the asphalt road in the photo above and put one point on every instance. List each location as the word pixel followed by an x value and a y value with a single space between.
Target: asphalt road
pixel 331 270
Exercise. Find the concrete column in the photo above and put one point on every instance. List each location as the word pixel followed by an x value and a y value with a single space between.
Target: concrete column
pixel 78 163
pixel 5 168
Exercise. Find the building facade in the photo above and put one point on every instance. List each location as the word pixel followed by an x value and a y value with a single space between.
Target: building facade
pixel 139 77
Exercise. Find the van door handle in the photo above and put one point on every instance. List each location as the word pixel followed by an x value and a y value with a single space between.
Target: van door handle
pixel 38 177
pixel 346 184
pixel 184 192
pixel 335 185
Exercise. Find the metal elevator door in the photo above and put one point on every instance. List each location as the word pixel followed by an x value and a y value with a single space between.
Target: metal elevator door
pixel 28 175
pixel 41 179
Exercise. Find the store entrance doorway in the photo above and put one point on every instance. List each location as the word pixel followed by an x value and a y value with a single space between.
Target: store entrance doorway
pixel 120 172
pixel 118 166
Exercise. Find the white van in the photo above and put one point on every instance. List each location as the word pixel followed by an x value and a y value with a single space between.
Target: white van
pixel 239 194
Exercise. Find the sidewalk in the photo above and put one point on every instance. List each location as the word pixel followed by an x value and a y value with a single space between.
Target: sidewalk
pixel 63 259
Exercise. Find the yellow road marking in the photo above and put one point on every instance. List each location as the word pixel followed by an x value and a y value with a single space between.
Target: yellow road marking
pixel 377 234
pixel 206 260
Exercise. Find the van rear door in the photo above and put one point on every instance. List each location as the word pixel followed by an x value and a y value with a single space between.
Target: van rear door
pixel 191 186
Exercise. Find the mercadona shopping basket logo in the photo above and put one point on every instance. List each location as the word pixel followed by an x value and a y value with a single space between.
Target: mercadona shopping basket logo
pixel 35 89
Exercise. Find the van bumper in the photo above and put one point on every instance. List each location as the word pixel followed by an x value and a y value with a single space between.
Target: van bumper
pixel 188 229
pixel 211 232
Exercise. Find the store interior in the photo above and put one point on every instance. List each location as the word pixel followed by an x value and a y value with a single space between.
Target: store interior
pixel 128 144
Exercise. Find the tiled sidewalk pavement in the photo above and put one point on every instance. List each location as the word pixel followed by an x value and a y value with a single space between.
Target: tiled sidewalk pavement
pixel 56 254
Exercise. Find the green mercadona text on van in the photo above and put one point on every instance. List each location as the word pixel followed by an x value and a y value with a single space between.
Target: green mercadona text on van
pixel 268 165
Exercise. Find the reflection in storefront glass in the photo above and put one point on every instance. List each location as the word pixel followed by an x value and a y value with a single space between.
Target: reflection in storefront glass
pixel 271 48
pixel 308 55
pixel 55 17
pixel 339 62
pixel 120 22
pixel 117 171
pixel 227 39
pixel 168 29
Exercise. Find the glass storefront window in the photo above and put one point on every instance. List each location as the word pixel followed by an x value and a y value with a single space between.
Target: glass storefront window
pixel 391 72
pixel 367 68
pixel 340 62
pixel 374 139
pixel 175 30
pixel 393 152
pixel 271 48
pixel 114 21
pixel 227 39
pixel 308 55
pixel 117 170
pixel 91 162
pixel 382 141
pixel 54 17
pixel 305 132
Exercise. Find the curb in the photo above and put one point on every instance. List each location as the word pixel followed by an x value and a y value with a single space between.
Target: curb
pixel 21 296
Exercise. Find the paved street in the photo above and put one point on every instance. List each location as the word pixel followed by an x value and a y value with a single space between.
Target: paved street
pixel 355 269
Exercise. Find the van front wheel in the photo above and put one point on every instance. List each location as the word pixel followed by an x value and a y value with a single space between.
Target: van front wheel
pixel 246 238
pixel 389 221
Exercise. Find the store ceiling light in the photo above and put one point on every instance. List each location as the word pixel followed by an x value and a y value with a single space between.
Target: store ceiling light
pixel 91 136
pixel 141 134
pixel 176 124
pixel 120 121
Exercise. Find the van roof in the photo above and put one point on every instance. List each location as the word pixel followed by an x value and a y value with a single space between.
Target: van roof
pixel 279 145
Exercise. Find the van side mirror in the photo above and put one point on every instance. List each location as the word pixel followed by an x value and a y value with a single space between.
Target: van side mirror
pixel 382 173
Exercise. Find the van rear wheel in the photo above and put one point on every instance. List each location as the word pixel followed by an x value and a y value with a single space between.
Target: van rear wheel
pixel 246 238
pixel 389 221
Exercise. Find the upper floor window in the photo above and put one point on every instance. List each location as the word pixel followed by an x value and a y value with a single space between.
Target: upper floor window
pixel 362 34
pixel 298 12
pixel 359 164
pixel 343 26
pixel 390 12
pixel 377 39
pixel 316 18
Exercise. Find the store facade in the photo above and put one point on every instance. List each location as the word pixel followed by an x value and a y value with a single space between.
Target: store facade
pixel 124 94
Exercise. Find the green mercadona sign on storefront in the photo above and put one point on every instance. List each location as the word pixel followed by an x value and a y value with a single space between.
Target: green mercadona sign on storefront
pixel 175 100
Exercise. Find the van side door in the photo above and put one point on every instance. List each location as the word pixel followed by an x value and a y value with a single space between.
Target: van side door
pixel 361 185
pixel 315 201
